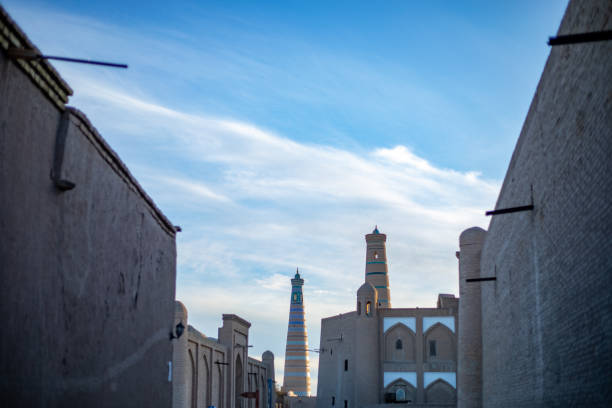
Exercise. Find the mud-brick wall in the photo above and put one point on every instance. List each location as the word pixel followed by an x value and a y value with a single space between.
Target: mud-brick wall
pixel 547 319
pixel 87 275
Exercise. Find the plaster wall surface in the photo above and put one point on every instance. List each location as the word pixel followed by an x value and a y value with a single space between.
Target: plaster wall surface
pixel 547 319
pixel 334 382
pixel 302 402
pixel 469 348
pixel 234 334
pixel 86 275
pixel 180 359
pixel 365 361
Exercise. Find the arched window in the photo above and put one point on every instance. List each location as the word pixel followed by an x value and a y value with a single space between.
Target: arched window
pixel 358 308
pixel 432 348
pixel 400 394
pixel 398 344
pixel 368 308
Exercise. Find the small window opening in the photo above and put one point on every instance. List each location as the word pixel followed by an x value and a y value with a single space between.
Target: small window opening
pixel 331 352
pixel 333 401
pixel 295 296
pixel 432 348
pixel 398 344
pixel 358 308
pixel 400 394
pixel 368 308
pixel 345 365
pixel 345 404
pixel 375 255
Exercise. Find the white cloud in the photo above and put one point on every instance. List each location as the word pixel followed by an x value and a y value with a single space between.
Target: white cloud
pixel 255 204
pixel 193 188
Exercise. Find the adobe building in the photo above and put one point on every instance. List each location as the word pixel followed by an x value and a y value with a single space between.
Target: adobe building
pixel 377 355
pixel 209 371
pixel 87 261
pixel 535 311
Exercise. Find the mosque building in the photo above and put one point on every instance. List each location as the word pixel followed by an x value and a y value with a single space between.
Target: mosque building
pixel 377 354
pixel 297 367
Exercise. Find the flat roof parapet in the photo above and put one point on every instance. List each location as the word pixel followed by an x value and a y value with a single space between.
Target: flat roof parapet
pixel 40 71
pixel 112 158
pixel 237 319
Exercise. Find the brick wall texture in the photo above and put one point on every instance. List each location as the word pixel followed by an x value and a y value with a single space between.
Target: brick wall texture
pixel 547 319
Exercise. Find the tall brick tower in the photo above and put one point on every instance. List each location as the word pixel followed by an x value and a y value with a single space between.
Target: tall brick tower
pixel 297 368
pixel 376 270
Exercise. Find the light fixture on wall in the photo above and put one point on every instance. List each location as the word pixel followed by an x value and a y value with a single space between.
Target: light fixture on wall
pixel 178 331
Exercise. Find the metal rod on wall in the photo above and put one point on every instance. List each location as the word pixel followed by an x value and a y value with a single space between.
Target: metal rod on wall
pixel 580 38
pixel 510 210
pixel 25 54
pixel 488 278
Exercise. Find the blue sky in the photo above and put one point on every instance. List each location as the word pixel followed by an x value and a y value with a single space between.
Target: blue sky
pixel 277 134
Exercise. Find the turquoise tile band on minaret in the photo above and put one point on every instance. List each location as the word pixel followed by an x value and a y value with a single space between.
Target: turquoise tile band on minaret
pixel 376 271
pixel 297 365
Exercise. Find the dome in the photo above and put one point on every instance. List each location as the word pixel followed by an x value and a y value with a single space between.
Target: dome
pixel 472 236
pixel 180 311
pixel 366 290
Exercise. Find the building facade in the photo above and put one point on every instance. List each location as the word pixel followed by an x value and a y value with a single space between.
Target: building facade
pixel 87 260
pixel 216 372
pixel 536 332
pixel 376 355
pixel 297 367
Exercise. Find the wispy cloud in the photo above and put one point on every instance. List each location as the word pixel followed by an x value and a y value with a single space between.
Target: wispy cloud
pixel 255 203
pixel 288 204
pixel 192 188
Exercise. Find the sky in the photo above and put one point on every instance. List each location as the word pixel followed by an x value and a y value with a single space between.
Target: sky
pixel 278 134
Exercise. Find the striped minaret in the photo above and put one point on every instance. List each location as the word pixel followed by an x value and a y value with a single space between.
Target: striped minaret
pixel 297 368
pixel 376 266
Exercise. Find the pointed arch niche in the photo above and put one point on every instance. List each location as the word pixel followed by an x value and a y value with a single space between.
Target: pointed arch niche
pixel 439 343
pixel 440 388
pixel 400 343
pixel 239 383
pixel 204 381
pixel 191 380
pixel 400 390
